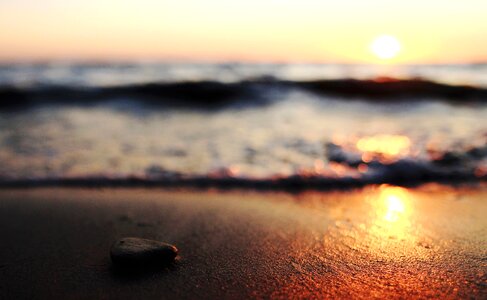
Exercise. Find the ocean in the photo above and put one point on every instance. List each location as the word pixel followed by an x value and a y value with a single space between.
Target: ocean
pixel 235 125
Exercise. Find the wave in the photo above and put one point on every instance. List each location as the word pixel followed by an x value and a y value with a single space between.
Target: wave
pixel 447 168
pixel 208 94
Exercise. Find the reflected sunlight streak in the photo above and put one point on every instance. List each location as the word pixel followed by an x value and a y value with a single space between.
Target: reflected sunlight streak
pixel 394 200
pixel 393 211
pixel 385 146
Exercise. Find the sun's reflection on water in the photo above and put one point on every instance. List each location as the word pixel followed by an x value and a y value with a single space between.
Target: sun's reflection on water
pixel 386 148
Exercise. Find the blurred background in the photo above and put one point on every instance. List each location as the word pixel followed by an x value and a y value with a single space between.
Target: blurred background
pixel 320 92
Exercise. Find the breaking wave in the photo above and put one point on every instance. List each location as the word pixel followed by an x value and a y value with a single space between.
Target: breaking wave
pixel 445 168
pixel 210 94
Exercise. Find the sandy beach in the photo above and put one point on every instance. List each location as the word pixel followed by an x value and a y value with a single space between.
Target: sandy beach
pixel 379 242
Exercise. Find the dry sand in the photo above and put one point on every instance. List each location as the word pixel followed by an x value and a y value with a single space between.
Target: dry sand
pixel 379 242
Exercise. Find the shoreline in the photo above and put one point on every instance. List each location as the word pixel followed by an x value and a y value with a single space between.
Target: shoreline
pixel 285 184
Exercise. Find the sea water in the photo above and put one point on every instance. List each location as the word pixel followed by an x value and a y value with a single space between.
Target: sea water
pixel 101 126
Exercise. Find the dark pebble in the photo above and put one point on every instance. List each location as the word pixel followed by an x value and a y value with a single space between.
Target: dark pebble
pixel 137 252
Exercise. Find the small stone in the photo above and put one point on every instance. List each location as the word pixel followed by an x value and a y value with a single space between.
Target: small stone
pixel 137 252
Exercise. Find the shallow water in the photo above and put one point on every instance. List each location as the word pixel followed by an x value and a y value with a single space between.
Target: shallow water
pixel 294 132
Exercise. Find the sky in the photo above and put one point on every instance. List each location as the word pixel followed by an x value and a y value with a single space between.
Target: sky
pixel 429 31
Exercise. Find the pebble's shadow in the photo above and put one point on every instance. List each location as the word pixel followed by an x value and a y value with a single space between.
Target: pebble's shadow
pixel 126 274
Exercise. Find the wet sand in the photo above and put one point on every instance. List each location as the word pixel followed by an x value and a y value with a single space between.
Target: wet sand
pixel 379 242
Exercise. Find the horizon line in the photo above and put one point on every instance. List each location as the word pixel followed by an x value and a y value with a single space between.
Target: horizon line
pixel 82 61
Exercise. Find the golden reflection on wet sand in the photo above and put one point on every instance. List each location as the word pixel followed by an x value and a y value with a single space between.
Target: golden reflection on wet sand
pixel 393 209
pixel 389 241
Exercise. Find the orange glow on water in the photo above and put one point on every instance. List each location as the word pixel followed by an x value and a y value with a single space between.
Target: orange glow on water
pixel 388 146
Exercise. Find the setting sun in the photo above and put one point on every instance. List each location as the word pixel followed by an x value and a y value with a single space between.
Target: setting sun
pixel 385 47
